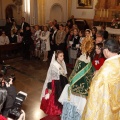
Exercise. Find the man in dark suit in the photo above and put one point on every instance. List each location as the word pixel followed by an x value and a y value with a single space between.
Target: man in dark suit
pixel 26 33
pixel 23 25
pixel 105 33
pixel 71 20
pixel 55 23
pixel 51 30
pixel 53 38
pixel 53 44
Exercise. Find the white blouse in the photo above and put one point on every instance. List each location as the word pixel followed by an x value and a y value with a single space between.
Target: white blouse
pixel 4 40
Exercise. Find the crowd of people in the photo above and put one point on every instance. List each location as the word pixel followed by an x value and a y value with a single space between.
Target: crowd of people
pixel 92 91
pixel 49 38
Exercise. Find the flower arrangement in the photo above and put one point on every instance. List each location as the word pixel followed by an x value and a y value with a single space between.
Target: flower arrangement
pixel 116 21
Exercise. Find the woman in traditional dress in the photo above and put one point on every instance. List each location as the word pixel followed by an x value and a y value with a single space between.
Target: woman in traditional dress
pixel 74 94
pixel 54 84
pixel 103 102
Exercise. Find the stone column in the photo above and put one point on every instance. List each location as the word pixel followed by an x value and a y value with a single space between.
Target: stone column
pixel 69 6
pixel 1 17
pixel 41 12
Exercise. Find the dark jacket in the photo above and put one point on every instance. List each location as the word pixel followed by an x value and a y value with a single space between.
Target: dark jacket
pixel 105 35
pixel 75 41
pixel 11 95
pixel 3 95
pixel 27 37
pixel 51 30
pixel 24 26
pixel 13 39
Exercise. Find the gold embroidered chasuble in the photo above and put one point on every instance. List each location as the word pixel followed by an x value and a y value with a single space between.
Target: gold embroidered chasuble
pixel 103 102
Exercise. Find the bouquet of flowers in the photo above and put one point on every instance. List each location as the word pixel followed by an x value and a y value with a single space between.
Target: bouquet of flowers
pixel 116 21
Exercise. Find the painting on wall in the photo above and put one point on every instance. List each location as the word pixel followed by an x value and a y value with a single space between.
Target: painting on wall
pixel 84 4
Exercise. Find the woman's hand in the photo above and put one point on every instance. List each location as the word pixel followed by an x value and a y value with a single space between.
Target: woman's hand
pixel 49 91
pixel 95 72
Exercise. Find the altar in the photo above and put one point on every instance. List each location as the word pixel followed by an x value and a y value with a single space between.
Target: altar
pixel 107 12
pixel 112 31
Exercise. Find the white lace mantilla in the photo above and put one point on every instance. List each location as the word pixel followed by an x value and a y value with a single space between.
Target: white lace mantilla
pixel 84 58
pixel 54 72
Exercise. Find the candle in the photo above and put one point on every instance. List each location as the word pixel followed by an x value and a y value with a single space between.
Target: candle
pixel 107 13
pixel 100 13
pixel 104 13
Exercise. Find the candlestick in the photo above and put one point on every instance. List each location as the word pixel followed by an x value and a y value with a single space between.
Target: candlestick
pixel 104 13
pixel 100 13
pixel 107 13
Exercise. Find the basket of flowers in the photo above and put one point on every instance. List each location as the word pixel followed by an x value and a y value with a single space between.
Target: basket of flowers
pixel 116 21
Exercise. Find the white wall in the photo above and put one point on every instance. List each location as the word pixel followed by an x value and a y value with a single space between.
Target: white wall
pixel 33 12
pixel 4 4
pixel 48 6
pixel 56 12
pixel 82 13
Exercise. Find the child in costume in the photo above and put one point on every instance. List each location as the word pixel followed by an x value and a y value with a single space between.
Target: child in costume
pixel 54 84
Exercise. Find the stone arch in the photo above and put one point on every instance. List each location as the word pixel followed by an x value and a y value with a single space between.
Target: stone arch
pixel 56 12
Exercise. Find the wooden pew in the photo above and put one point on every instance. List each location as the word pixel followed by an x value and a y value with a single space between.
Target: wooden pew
pixel 10 51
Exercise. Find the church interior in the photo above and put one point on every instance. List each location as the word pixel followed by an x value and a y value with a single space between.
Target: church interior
pixel 30 73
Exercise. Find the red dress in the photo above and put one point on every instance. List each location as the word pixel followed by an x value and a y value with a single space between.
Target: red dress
pixel 98 62
pixel 2 117
pixel 51 106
